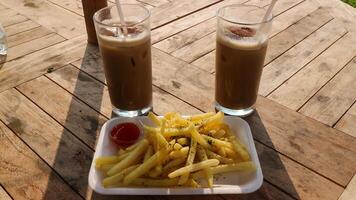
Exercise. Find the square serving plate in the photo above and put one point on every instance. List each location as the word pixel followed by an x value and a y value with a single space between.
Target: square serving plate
pixel 228 183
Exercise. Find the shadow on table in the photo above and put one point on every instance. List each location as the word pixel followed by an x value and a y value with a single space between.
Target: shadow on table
pixel 76 173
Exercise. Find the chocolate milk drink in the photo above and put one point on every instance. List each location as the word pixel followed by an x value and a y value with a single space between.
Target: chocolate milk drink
pixel 89 8
pixel 127 66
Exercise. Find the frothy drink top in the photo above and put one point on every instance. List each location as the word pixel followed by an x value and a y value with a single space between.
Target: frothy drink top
pixel 114 35
pixel 242 38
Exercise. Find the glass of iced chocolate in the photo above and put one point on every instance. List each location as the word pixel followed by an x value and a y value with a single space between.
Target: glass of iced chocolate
pixel 241 44
pixel 126 52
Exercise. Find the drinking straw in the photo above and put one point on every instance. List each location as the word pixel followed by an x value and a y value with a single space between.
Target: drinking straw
pixel 269 10
pixel 121 15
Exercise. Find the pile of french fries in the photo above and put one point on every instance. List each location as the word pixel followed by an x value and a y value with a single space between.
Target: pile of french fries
pixel 177 151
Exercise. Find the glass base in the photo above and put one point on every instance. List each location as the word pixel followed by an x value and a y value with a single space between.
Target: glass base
pixel 240 112
pixel 130 113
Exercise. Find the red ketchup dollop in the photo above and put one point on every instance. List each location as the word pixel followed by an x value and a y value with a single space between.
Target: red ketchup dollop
pixel 125 134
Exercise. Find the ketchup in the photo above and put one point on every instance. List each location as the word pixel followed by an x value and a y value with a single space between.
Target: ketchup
pixel 125 134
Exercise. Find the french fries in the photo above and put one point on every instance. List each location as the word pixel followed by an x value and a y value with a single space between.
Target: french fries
pixel 177 151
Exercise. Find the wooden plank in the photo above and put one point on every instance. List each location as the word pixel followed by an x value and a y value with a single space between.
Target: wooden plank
pixel 197 49
pixel 35 64
pixel 281 42
pixel 20 27
pixel 302 86
pixel 188 21
pixel 335 98
pixel 350 190
pixel 25 175
pixel 7 13
pixel 347 123
pixel 176 9
pixel 76 116
pixel 7 21
pixel 308 142
pixel 285 66
pixel 27 36
pixel 292 15
pixel 89 90
pixel 187 37
pixel 72 5
pixel 60 149
pixel 291 176
pixel 154 3
pixel 3 194
pixel 33 45
pixel 49 15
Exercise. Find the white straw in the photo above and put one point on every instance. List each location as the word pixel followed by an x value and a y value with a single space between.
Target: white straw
pixel 121 15
pixel 269 10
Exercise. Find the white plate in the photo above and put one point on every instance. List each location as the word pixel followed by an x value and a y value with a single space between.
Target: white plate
pixel 228 183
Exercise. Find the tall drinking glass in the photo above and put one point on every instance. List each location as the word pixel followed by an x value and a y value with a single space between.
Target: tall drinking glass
pixel 241 46
pixel 126 57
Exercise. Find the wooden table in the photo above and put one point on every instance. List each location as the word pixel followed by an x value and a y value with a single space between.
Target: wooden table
pixel 54 100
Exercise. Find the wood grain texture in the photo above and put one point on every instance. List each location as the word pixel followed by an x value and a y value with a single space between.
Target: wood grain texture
pixel 7 21
pixel 335 98
pixel 58 147
pixel 285 66
pixel 72 5
pixel 350 190
pixel 176 9
pixel 197 49
pixel 70 112
pixel 303 85
pixel 347 123
pixel 187 37
pixel 25 175
pixel 3 194
pixel 35 64
pixel 83 87
pixel 188 21
pixel 292 15
pixel 27 36
pixel 57 19
pixel 310 143
pixel 20 27
pixel 154 3
pixel 294 178
pixel 33 45
pixel 281 42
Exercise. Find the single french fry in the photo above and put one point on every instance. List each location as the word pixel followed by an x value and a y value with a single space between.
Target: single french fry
pixel 168 182
pixel 104 160
pixel 191 156
pixel 148 153
pixel 198 137
pixel 183 141
pixel 129 159
pixel 243 166
pixel 112 180
pixel 200 117
pixel 218 157
pixel 154 119
pixel 106 167
pixel 219 134
pixel 145 167
pixel 132 147
pixel 194 167
pixel 215 119
pixel 216 142
pixel 239 148
pixel 229 152
pixel 177 146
